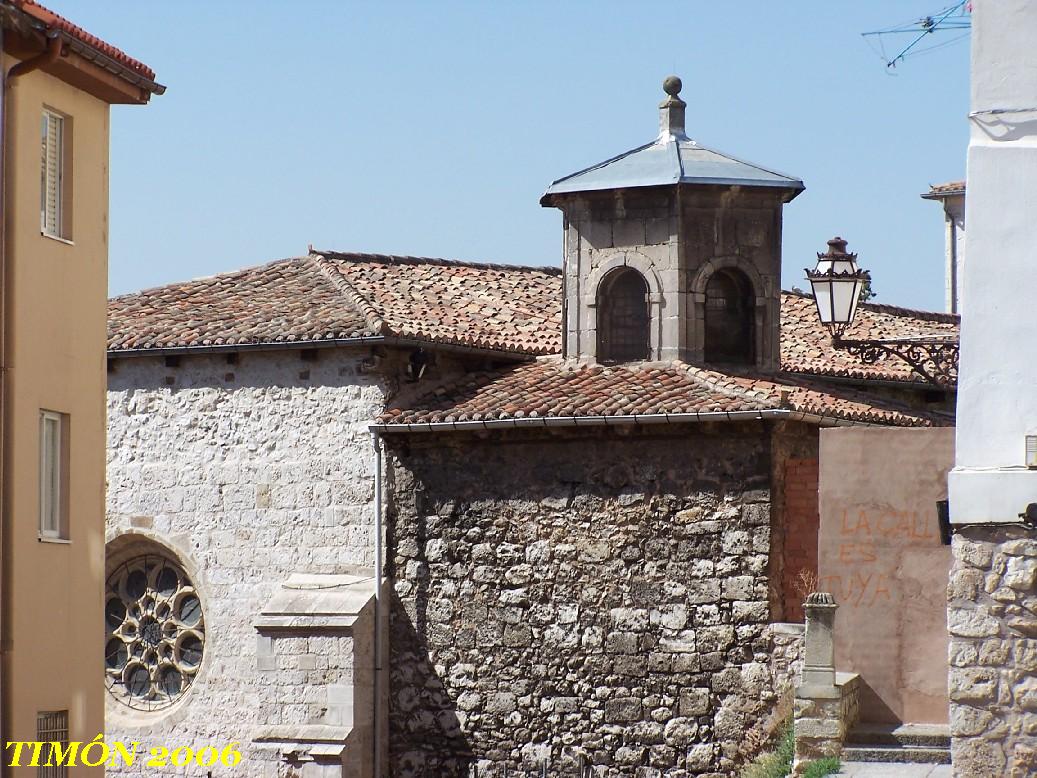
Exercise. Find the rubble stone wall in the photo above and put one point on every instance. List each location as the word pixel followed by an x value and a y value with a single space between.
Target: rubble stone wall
pixel 992 619
pixel 247 472
pixel 599 595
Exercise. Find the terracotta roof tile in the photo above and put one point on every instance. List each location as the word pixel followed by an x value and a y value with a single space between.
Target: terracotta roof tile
pixel 285 301
pixel 550 387
pixel 807 348
pixel 499 307
pixel 951 187
pixel 334 296
pixel 503 307
pixel 52 19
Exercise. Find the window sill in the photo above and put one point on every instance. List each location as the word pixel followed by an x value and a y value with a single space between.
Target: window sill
pixel 58 238
pixel 58 541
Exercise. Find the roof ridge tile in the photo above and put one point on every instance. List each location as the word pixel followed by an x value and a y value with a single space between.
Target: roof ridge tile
pixel 365 307
pixel 407 259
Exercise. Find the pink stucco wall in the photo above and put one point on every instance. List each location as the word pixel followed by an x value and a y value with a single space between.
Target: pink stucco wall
pixel 879 553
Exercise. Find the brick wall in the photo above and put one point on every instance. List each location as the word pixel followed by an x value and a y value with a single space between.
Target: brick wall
pixel 801 526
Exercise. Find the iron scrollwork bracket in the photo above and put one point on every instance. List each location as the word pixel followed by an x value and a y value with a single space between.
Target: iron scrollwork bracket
pixel 935 360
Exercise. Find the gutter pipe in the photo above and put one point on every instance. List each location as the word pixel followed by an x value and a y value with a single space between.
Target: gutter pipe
pixel 114 67
pixel 48 56
pixel 379 616
pixel 618 421
pixel 384 340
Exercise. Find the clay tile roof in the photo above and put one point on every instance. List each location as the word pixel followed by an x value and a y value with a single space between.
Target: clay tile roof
pixel 285 301
pixel 551 388
pixel 503 307
pixel 942 190
pixel 52 19
pixel 332 296
pixel 508 308
pixel 807 348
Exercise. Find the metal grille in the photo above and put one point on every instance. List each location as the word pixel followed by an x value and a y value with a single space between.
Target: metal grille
pixel 729 319
pixel 51 727
pixel 624 323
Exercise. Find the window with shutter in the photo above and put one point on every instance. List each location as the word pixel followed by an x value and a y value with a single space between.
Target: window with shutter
pixel 53 475
pixel 52 143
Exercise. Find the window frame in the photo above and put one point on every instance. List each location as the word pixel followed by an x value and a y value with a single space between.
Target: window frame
pixel 53 525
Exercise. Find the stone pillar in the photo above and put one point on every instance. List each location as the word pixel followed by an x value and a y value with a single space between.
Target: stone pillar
pixel 826 704
pixel 819 643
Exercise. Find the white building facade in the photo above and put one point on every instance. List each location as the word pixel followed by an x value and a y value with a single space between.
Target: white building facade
pixel 245 476
pixel 992 613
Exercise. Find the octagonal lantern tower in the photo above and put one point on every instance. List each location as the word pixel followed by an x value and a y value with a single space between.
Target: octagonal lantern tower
pixel 673 251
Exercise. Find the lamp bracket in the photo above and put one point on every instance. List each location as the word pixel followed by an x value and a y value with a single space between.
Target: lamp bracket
pixel 934 359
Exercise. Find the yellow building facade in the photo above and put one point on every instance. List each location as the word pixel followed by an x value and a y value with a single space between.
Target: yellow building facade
pixel 59 83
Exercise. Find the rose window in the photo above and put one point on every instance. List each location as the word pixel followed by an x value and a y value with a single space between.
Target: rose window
pixel 154 632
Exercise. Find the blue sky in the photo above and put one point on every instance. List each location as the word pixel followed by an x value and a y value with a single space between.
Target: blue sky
pixel 433 128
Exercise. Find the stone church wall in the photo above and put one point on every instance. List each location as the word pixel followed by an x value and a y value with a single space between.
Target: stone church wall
pixel 992 619
pixel 599 595
pixel 248 472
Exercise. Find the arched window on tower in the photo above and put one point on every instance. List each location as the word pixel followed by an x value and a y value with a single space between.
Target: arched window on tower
pixel 729 318
pixel 624 319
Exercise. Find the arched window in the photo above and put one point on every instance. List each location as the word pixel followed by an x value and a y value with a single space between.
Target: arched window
pixel 623 317
pixel 729 318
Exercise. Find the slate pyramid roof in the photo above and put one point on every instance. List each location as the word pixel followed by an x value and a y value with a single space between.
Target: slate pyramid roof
pixel 672 158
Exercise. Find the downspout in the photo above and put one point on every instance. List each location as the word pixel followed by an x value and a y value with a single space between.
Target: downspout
pixel 46 57
pixel 4 730
pixel 379 617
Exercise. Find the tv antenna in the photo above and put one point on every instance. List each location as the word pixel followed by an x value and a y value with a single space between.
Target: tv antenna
pixel 952 18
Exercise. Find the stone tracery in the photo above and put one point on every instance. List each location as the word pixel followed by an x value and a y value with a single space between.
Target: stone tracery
pixel 155 632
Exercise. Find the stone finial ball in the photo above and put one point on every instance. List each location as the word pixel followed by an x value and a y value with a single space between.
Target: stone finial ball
pixel 672 86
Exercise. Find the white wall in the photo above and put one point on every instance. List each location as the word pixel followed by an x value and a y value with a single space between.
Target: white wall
pixel 954 216
pixel 997 390
pixel 249 479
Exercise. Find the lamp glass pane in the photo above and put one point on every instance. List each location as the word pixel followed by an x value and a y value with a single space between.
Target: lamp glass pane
pixel 856 298
pixel 823 299
pixel 844 302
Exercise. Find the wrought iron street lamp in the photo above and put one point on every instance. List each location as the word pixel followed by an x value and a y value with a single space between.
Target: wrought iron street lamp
pixel 836 283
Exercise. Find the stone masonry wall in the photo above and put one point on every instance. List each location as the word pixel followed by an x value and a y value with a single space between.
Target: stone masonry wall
pixel 559 595
pixel 992 619
pixel 249 472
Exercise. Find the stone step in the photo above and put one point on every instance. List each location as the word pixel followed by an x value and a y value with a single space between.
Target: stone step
pixel 898 754
pixel 919 735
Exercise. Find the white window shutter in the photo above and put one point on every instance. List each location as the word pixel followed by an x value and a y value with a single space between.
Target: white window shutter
pixel 50 474
pixel 50 207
